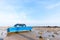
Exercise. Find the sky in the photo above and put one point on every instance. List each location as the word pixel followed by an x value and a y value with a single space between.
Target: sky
pixel 30 12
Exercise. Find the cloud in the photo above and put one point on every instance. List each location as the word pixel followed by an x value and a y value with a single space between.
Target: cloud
pixel 53 5
pixel 11 14
pixel 10 19
pixel 53 20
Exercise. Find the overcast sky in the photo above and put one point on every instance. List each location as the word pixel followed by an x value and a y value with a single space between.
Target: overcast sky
pixel 30 12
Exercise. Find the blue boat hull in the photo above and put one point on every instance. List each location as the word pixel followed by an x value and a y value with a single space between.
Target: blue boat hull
pixel 19 29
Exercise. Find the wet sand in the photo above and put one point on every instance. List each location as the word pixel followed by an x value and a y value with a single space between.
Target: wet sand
pixel 21 36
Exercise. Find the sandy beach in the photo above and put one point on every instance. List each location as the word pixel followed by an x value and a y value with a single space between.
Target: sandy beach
pixel 31 35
